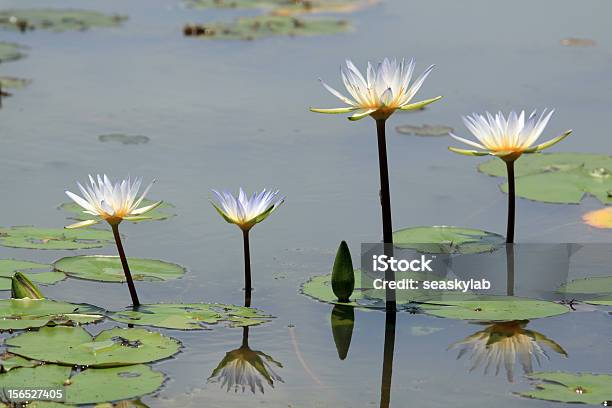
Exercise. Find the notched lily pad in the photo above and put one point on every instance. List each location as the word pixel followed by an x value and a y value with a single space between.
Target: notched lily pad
pixel 19 314
pixel 564 178
pixel 90 386
pixel 53 238
pixel 592 389
pixel 286 7
pixel 190 316
pixel 75 346
pixel 13 82
pixel 8 267
pixel 103 268
pixel 251 28
pixel 162 212
pixel 57 20
pixel 10 51
pixel 445 239
pixel 124 139
pixel 424 130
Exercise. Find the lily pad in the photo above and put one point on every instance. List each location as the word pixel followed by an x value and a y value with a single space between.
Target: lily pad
pixel 424 130
pixel 8 267
pixel 286 7
pixel 10 51
pixel 594 285
pixel 251 28
pixel 88 386
pixel 124 139
pixel 190 316
pixel 13 82
pixel 592 389
pixel 564 178
pixel 444 239
pixel 19 314
pixel 53 238
pixel 103 268
pixel 599 218
pixel 162 212
pixel 8 361
pixel 57 20
pixel 492 308
pixel 75 346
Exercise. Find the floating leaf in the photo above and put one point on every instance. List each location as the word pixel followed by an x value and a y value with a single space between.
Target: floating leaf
pixel 18 314
pixel 424 130
pixel 8 267
pixel 593 389
pixel 53 238
pixel 10 51
pixel 444 239
pixel 12 82
pixel 250 28
pixel 492 308
pixel 594 285
pixel 88 386
pixel 8 361
pixel 57 20
pixel 105 268
pixel 124 139
pixel 162 212
pixel 599 218
pixel 190 316
pixel 577 42
pixel 563 178
pixel 286 7
pixel 75 346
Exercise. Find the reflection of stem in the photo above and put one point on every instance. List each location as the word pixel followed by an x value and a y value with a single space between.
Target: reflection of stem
pixel 511 202
pixel 385 196
pixel 247 269
pixel 300 358
pixel 510 269
pixel 387 371
pixel 245 336
pixel 126 267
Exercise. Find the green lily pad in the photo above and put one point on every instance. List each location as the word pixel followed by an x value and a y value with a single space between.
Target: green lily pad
pixel 564 178
pixel 444 239
pixel 190 316
pixel 251 28
pixel 424 130
pixel 75 346
pixel 124 139
pixel 285 7
pixel 53 238
pixel 492 308
pixel 8 361
pixel 592 389
pixel 12 82
pixel 162 212
pixel 103 268
pixel 88 386
pixel 19 314
pixel 8 267
pixel 10 51
pixel 57 20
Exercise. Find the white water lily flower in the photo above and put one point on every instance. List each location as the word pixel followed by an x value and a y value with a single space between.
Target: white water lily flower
pixel 111 202
pixel 383 90
pixel 506 137
pixel 245 212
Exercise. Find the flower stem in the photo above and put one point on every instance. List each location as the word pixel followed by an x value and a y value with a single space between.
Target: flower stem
pixel 511 202
pixel 389 350
pixel 247 269
pixel 385 196
pixel 126 267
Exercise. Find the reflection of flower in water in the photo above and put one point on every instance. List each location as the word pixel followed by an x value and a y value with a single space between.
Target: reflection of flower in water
pixel 499 344
pixel 244 367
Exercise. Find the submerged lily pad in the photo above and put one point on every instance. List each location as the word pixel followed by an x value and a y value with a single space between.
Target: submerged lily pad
pixel 593 389
pixel 53 238
pixel 595 285
pixel 577 42
pixel 250 28
pixel 12 82
pixel 105 268
pixel 8 267
pixel 424 130
pixel 10 51
pixel 57 20
pixel 444 239
pixel 89 386
pixel 75 346
pixel 162 212
pixel 18 314
pixel 563 178
pixel 190 316
pixel 492 308
pixel 599 218
pixel 286 7
pixel 124 139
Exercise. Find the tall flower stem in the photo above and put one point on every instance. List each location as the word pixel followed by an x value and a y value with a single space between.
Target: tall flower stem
pixel 126 267
pixel 247 269
pixel 511 202
pixel 389 350
pixel 385 196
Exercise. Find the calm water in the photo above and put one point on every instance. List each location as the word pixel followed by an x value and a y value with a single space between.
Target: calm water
pixel 226 114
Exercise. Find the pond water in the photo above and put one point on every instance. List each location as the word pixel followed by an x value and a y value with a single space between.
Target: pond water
pixel 223 114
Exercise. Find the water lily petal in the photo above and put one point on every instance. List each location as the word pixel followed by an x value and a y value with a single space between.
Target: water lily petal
pixel 361 113
pixel 82 224
pixel 419 105
pixel 468 152
pixel 550 143
pixel 333 110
